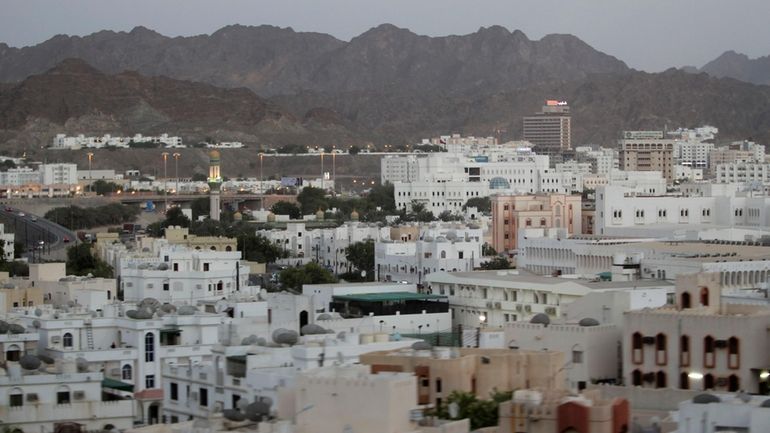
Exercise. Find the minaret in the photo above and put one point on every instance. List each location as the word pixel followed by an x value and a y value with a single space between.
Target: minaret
pixel 215 181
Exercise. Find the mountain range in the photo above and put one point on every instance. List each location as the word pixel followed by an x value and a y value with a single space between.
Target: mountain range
pixel 275 86
pixel 741 67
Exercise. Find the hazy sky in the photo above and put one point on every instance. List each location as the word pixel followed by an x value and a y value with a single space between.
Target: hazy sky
pixel 647 34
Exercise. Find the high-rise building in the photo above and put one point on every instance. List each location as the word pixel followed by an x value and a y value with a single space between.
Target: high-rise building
pixel 647 151
pixel 550 130
pixel 215 182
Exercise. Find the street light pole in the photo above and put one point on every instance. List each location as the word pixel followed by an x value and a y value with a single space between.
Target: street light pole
pixel 176 169
pixel 322 169
pixel 334 169
pixel 261 184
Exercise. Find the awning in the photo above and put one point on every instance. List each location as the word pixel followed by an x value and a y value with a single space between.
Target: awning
pixel 116 384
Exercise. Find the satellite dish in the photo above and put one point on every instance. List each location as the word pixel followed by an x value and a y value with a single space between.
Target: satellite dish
pixel 363 274
pixel 220 306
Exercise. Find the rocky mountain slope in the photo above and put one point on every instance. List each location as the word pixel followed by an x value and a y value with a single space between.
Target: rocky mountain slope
pixel 271 60
pixel 741 67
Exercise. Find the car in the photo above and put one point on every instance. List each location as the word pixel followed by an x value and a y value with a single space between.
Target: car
pixel 65 239
pixel 8 209
pixel 33 218
pixel 22 214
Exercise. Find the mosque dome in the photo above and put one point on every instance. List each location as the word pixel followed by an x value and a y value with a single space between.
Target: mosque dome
pixel 214 157
pixel 319 215
pixel 237 216
pixel 354 215
pixel 499 183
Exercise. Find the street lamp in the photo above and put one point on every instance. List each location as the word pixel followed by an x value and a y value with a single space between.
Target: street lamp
pixel 90 159
pixel 334 169
pixel 322 169
pixel 261 187
pixel 176 155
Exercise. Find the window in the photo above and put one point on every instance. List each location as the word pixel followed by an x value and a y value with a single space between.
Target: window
pixel 704 296
pixel 637 353
pixel 174 391
pixel 176 267
pixel 438 384
pixel 708 381
pixel 126 372
pixel 685 300
pixel 733 353
pixel 636 378
pixel 149 347
pixel 708 352
pixel 149 381
pixel 661 352
pixel 684 351
pixel 63 396
pixel 459 254
pixel 528 222
pixel 205 267
pixel 165 287
pixel 67 340
pixel 204 397
pixel 577 357
pixel 16 398
pixel 660 380
pixel 684 381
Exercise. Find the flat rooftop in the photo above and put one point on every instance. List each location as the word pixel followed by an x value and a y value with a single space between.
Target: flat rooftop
pixel 389 297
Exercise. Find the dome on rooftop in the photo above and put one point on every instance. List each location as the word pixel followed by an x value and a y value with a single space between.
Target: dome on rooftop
pixel 499 183
pixel 765 403
pixel 214 156
pixel 324 316
pixel 422 345
pixel 588 321
pixel 541 318
pixel 30 362
pixel 312 329
pixel 705 398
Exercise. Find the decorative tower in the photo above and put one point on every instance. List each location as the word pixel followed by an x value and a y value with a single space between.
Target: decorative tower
pixel 215 181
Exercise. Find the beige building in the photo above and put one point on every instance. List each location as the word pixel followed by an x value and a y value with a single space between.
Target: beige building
pixel 550 130
pixel 558 411
pixel 647 151
pixel 480 371
pixel 699 343
pixel 180 236
pixel 16 293
pixel 510 213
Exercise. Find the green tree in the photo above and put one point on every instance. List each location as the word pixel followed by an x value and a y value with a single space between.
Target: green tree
pixel 354 150
pixel 200 207
pixel 420 213
pixel 382 196
pixel 447 216
pixel 199 177
pixel 487 250
pixel 287 208
pixel 361 256
pixel 259 248
pixel 311 273
pixel 481 413
pixel 175 217
pixel 312 199
pixel 81 261
pixel 102 187
pixel 497 262
pixel 483 204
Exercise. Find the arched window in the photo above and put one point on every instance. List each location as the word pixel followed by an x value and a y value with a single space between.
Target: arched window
pixel 708 381
pixel 228 248
pixel 684 351
pixel 704 296
pixel 126 372
pixel 63 395
pixel 636 378
pixel 13 353
pixel 149 347
pixel 660 380
pixel 685 300
pixel 684 380
pixel 637 354
pixel 213 248
pixel 16 397
pixel 733 353
pixel 733 383
pixel 67 340
pixel 443 254
pixel 708 352
pixel 661 351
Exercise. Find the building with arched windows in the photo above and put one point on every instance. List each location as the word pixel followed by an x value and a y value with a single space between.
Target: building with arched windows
pixel 700 342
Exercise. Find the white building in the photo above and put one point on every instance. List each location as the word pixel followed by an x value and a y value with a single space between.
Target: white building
pixel 58 174
pixel 57 397
pixel 7 242
pixel 502 297
pixel 434 248
pixel 62 141
pixel 723 412
pixel 743 172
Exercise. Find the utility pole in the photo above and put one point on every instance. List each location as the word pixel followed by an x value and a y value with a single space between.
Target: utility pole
pixel 165 180
pixel 90 177
pixel 176 170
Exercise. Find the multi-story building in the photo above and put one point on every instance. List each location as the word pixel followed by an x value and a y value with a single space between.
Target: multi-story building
pixel 739 151
pixel 510 213
pixel 66 174
pixel 743 172
pixel 603 160
pixel 692 154
pixel 436 248
pixel 550 129
pixel 7 242
pixel 398 168
pixel 698 343
pixel 176 235
pixel 647 151
pixel 62 141
pixel 59 398
pixel 723 412
pixel 620 212
pixel 496 298
pixel 442 370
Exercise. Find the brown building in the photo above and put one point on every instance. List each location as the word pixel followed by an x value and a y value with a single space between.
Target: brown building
pixel 550 130
pixel 557 411
pixel 510 213
pixel 481 371
pixel 647 151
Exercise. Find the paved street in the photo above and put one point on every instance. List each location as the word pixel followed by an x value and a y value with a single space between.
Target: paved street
pixel 31 229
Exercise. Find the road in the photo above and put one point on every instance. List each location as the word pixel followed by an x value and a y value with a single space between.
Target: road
pixel 31 229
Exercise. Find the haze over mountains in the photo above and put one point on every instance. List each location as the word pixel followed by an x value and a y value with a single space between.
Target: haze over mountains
pixel 386 85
